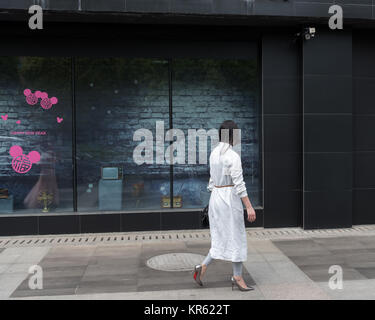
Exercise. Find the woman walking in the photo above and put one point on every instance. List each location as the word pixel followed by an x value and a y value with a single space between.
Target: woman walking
pixel 227 227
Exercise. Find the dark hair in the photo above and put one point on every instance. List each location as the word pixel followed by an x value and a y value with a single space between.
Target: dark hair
pixel 229 125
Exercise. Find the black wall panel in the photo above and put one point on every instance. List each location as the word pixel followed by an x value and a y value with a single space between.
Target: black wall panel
pixel 59 224
pixel 338 104
pixel 322 209
pixel 100 223
pixel 282 129
pixel 327 130
pixel 364 127
pixel 16 226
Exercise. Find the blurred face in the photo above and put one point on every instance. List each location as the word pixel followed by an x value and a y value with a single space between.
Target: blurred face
pixel 231 136
pixel 230 133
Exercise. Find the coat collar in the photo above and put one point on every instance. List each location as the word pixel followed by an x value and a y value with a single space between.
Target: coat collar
pixel 224 146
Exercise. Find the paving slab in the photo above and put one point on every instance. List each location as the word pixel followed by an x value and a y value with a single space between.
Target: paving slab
pixel 89 290
pixel 367 272
pixel 58 271
pixel 316 259
pixel 4 267
pixel 319 273
pixel 352 290
pixel 19 261
pixel 302 248
pixel 21 268
pixel 107 281
pixel 293 291
pixel 52 283
pixel 45 293
pixel 9 283
pixel 340 243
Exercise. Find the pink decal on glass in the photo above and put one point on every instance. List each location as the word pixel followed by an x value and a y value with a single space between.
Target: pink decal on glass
pixel 46 102
pixel 31 98
pixel 18 121
pixel 22 163
pixel 5 118
pixel 59 120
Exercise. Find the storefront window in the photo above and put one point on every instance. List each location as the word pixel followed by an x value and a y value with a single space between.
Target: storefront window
pixel 35 135
pixel 207 92
pixel 122 140
pixel 118 101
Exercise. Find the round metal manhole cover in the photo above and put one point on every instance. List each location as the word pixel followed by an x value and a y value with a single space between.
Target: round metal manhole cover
pixel 175 261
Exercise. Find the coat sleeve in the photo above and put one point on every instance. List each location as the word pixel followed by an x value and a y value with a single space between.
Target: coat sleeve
pixel 235 171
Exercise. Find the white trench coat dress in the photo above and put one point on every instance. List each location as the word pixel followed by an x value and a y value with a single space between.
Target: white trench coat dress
pixel 226 217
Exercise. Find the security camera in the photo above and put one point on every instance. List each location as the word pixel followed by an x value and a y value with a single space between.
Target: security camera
pixel 307 33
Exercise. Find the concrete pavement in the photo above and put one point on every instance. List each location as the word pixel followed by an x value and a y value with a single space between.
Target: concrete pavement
pixel 277 269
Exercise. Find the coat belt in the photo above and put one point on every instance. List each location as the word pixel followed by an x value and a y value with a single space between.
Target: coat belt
pixel 228 185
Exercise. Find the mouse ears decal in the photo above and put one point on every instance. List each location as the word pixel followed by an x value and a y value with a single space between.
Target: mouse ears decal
pixel 31 98
pixel 22 163
pixel 46 102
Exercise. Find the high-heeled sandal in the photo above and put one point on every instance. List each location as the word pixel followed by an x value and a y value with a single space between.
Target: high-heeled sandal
pixel 234 282
pixel 197 274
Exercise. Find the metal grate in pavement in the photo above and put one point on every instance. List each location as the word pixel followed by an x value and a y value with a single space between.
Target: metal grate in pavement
pixel 183 235
pixel 176 261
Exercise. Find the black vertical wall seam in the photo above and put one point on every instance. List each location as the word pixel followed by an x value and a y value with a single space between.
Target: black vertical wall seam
pixel 302 93
pixel 261 131
pixel 302 119
pixel 74 133
pixel 38 225
pixel 353 132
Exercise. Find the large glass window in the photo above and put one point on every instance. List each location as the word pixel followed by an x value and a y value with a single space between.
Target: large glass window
pixel 120 103
pixel 143 128
pixel 35 135
pixel 207 92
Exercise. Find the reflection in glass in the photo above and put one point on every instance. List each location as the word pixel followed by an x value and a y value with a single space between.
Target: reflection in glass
pixel 45 192
pixel 32 124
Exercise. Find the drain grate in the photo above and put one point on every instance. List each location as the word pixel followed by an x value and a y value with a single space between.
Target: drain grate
pixel 185 235
pixel 175 261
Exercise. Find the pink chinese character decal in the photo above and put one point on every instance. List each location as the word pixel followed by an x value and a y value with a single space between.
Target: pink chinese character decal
pixel 22 163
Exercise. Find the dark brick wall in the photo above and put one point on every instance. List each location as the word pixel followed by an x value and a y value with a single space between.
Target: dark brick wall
pixel 363 127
